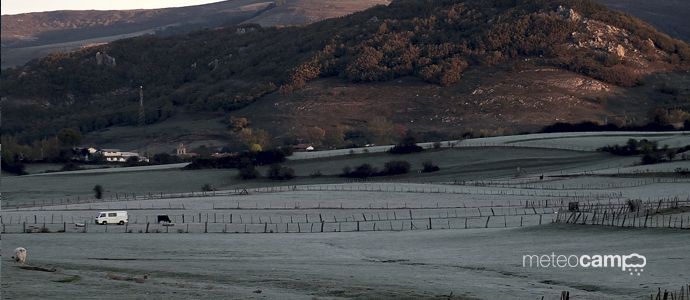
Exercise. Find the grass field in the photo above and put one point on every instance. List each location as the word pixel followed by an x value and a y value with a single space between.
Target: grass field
pixel 456 164
pixel 459 233
pixel 467 264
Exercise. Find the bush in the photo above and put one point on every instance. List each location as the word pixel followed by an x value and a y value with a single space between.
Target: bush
pixel 278 172
pixel 16 168
pixel 164 159
pixel 428 167
pixel 362 171
pixel 98 191
pixel 682 171
pixel 632 147
pixel 396 167
pixel 207 188
pixel 408 144
pixel 651 158
pixel 247 170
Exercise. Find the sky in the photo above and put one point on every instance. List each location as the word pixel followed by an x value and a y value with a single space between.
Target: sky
pixel 10 7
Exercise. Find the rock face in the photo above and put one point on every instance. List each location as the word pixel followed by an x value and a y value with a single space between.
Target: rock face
pixel 569 13
pixel 103 58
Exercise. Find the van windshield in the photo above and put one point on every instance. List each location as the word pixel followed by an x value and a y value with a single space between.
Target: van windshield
pixel 101 215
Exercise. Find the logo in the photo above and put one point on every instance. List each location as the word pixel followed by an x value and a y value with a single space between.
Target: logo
pixel 633 263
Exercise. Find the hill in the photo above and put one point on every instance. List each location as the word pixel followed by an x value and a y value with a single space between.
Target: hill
pixel 33 35
pixel 474 64
pixel 300 12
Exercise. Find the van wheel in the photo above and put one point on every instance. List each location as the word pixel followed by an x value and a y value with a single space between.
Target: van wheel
pixel 121 223
pixel 104 223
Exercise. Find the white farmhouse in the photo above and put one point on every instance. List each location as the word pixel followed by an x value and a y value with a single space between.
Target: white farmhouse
pixel 115 155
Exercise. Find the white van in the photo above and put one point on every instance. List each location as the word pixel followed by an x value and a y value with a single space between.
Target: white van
pixel 112 217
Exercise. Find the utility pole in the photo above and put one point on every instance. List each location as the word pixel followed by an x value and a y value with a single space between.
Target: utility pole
pixel 142 115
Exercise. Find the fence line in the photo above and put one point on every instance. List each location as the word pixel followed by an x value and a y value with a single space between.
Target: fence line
pixel 373 187
pixel 636 214
pixel 318 225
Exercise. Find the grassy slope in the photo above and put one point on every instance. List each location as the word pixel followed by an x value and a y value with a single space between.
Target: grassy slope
pixel 251 67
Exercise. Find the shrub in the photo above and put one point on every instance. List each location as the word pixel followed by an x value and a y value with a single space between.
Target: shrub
pixel 247 170
pixel 165 158
pixel 278 172
pixel 98 191
pixel 650 158
pixel 396 167
pixel 682 171
pixel 362 171
pixel 207 188
pixel 632 147
pixel 408 144
pixel 16 168
pixel 428 167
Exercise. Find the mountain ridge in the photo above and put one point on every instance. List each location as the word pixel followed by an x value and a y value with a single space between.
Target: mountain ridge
pixel 23 33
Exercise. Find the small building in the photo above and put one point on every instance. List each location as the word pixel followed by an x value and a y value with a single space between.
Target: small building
pixel 115 155
pixel 181 150
pixel 304 147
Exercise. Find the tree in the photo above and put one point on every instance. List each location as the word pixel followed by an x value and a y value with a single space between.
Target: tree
pixel 69 137
pixel 237 123
pixel 670 153
pixel 407 144
pixel 98 191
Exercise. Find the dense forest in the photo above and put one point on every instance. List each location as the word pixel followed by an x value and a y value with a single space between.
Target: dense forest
pixel 227 68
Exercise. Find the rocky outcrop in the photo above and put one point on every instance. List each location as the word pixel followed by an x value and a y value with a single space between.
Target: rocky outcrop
pixel 103 58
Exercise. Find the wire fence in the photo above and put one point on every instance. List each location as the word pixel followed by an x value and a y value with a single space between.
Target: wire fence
pixel 669 213
pixel 292 225
pixel 372 187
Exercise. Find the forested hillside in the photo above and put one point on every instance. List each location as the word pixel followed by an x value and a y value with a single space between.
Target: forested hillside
pixel 229 68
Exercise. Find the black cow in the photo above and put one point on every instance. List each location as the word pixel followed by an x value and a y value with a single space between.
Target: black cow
pixel 164 219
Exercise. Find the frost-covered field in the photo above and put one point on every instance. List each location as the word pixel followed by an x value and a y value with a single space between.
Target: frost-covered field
pixel 580 141
pixel 458 233
pixel 474 263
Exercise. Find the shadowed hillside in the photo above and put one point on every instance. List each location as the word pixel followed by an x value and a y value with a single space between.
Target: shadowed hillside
pixel 33 35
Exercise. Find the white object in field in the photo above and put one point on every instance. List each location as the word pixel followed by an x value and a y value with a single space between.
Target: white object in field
pixel 20 255
pixel 112 217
